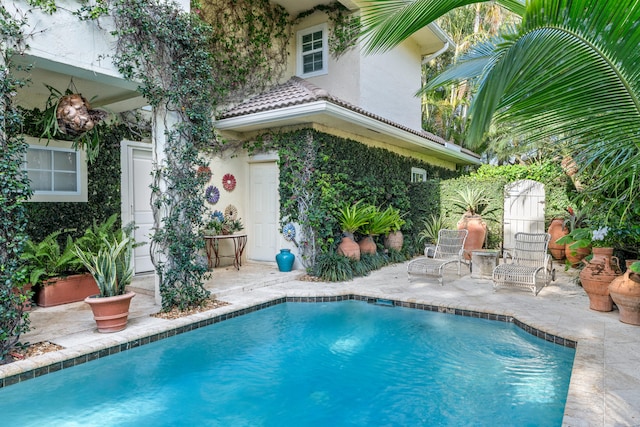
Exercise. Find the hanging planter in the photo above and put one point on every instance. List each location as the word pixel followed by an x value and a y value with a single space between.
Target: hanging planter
pixel 229 182
pixel 75 116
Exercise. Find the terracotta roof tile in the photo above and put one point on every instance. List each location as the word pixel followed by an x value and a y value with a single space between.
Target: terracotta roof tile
pixel 297 91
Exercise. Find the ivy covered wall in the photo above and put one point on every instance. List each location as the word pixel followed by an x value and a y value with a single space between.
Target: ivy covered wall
pixel 103 193
pixel 319 172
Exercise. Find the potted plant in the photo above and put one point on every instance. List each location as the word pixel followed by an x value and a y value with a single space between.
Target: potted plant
pixel 351 217
pixel 557 229
pixel 55 272
pixel 112 269
pixel 472 203
pixel 378 222
pixel 432 226
pixel 577 239
pixel 394 238
pixel 625 292
pixel 601 268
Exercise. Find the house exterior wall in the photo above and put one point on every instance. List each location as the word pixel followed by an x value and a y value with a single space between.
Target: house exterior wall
pixel 68 42
pixel 384 84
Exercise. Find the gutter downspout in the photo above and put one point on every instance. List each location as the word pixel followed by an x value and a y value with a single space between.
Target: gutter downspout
pixel 437 53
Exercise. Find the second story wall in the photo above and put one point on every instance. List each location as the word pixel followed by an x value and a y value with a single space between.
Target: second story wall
pixel 384 84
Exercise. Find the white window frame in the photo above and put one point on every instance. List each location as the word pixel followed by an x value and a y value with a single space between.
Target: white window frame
pixel 80 195
pixel 418 173
pixel 324 50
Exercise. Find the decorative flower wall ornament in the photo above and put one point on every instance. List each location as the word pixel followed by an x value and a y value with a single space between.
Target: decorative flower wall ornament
pixel 289 232
pixel 212 194
pixel 231 212
pixel 229 182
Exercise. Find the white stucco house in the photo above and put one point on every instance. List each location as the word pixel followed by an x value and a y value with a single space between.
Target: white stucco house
pixel 366 98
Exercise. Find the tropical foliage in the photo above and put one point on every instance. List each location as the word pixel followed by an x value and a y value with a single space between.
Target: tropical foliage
pixel 540 78
pixel 14 186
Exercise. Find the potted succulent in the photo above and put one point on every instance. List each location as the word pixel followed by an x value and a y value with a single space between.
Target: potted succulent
pixel 472 203
pixel 112 269
pixel 394 238
pixel 55 273
pixel 432 226
pixel 378 222
pixel 351 217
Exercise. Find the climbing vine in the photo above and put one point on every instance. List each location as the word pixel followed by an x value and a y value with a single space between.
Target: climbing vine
pixel 167 51
pixel 14 186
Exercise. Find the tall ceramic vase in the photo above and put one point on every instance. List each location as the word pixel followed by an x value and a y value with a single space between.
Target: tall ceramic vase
pixel 285 260
pixel 477 231
pixel 625 292
pixel 596 277
pixel 557 230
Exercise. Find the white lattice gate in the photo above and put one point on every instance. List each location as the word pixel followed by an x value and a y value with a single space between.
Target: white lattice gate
pixel 523 209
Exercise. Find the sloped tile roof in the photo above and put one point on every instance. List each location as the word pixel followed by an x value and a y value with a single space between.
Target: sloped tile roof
pixel 297 91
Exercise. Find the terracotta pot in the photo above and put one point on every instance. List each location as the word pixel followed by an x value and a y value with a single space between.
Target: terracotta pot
pixel 394 240
pixel 596 277
pixel 477 230
pixel 625 292
pixel 348 247
pixel 557 230
pixel 575 256
pixel 63 290
pixel 368 246
pixel 110 313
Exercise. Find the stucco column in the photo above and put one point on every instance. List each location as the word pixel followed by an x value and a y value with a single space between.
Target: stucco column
pixel 162 122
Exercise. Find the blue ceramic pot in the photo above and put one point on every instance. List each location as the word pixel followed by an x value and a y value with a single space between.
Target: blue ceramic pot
pixel 285 260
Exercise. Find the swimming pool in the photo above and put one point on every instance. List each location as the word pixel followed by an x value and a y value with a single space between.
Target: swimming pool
pixel 347 363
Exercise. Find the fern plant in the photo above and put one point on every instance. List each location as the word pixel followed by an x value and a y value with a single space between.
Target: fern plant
pixel 47 259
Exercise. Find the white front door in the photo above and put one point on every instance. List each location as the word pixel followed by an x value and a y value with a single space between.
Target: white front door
pixel 264 207
pixel 136 199
pixel 524 202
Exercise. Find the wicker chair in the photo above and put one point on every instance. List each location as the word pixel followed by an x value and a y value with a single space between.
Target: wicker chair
pixel 448 252
pixel 528 265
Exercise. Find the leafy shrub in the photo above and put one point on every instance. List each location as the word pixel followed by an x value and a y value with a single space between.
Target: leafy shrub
pixel 332 267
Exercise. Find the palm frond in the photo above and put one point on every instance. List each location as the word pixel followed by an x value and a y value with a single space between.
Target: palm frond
pixel 388 23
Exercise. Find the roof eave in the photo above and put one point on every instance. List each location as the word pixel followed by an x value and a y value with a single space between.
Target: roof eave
pixel 297 114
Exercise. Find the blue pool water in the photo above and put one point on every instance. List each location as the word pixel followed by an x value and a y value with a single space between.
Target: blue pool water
pixel 324 364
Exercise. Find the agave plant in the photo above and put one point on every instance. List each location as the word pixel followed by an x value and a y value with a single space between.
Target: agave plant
pixel 111 266
pixel 432 227
pixel 378 221
pixel 471 201
pixel 353 216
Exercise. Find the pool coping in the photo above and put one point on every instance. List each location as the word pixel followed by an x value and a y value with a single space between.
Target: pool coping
pixel 66 359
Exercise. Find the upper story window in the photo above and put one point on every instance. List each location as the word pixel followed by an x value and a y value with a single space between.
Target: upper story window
pixel 418 175
pixel 57 172
pixel 312 51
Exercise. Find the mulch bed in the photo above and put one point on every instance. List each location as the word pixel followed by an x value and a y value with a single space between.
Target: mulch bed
pixel 209 304
pixel 34 350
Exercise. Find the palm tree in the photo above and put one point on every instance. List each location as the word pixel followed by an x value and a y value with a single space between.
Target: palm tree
pixel 569 72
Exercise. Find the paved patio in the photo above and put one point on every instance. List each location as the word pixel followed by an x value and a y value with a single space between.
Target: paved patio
pixel 605 383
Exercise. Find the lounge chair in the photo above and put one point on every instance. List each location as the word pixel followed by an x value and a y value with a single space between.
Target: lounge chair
pixel 448 253
pixel 528 265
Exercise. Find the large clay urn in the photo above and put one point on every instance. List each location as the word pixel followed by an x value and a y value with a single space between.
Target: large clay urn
pixel 557 230
pixel 596 276
pixel 574 256
pixel 348 247
pixel 368 246
pixel 477 231
pixel 625 292
pixel 394 240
